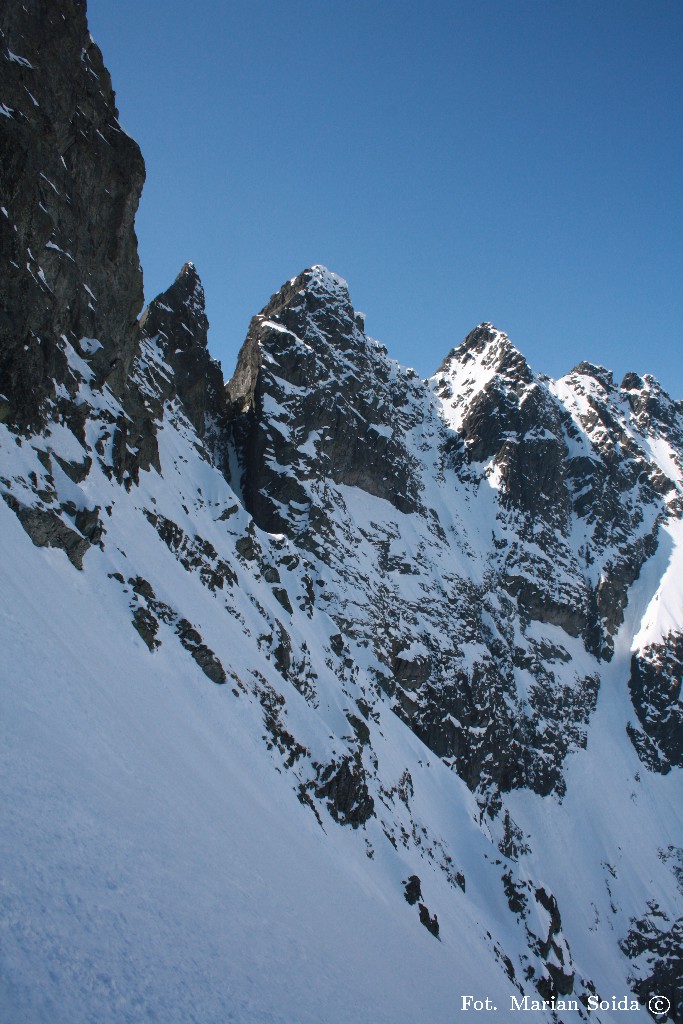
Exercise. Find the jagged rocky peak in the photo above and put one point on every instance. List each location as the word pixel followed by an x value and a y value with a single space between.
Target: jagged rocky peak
pixel 314 295
pixel 177 323
pixel 645 395
pixel 485 347
pixel 601 374
pixel 654 410
pixel 70 185
pixel 313 397
pixel 317 295
pixel 509 420
pixel 624 420
pixel 314 308
pixel 483 385
pixel 179 312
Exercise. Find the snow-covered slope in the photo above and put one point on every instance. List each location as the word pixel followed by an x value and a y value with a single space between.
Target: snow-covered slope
pixel 335 695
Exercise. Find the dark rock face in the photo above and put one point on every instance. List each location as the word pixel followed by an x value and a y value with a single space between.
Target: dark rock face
pixel 176 320
pixel 430 922
pixel 315 406
pixel 413 890
pixel 71 350
pixel 655 687
pixel 413 895
pixel 344 786
pixel 655 945
pixel 148 614
pixel 557 976
pixel 286 394
pixel 553 950
pixel 47 528
pixel 70 179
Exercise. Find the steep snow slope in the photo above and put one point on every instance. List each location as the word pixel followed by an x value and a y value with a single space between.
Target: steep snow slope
pixel 156 864
pixel 158 859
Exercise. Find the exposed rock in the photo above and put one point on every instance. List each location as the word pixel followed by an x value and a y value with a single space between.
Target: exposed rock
pixel 655 945
pixel 655 687
pixel 47 528
pixel 413 895
pixel 430 923
pixel 274 710
pixel 413 890
pixel 192 641
pixel 176 321
pixel 194 553
pixel 147 626
pixel 345 788
pixel 302 343
pixel 70 179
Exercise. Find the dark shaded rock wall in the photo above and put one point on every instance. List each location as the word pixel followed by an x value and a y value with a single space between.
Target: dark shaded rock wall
pixel 655 686
pixel 177 321
pixel 70 181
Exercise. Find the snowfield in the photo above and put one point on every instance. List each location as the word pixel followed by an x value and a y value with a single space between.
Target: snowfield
pixel 157 863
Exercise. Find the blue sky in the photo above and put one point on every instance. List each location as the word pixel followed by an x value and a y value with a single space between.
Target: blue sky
pixel 517 161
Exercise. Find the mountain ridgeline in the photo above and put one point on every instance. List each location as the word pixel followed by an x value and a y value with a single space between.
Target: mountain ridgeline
pixel 483 566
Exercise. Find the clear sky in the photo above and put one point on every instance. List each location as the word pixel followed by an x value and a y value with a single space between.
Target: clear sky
pixel 518 161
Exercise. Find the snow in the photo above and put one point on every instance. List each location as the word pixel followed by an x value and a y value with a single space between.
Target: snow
pixel 157 862
pixel 53 245
pixel 665 568
pixel 614 812
pixel 50 183
pixel 16 59
pixel 186 890
pixel 327 281
pixel 413 651
pixel 90 345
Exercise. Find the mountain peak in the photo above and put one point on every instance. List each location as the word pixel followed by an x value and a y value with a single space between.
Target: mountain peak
pixel 313 289
pixel 489 348
pixel 320 279
pixel 483 335
pixel 599 373
pixel 189 272
pixel 179 311
pixel 176 320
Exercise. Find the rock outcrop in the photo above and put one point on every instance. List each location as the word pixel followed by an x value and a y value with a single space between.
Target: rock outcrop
pixel 176 321
pixel 314 398
pixel 70 180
